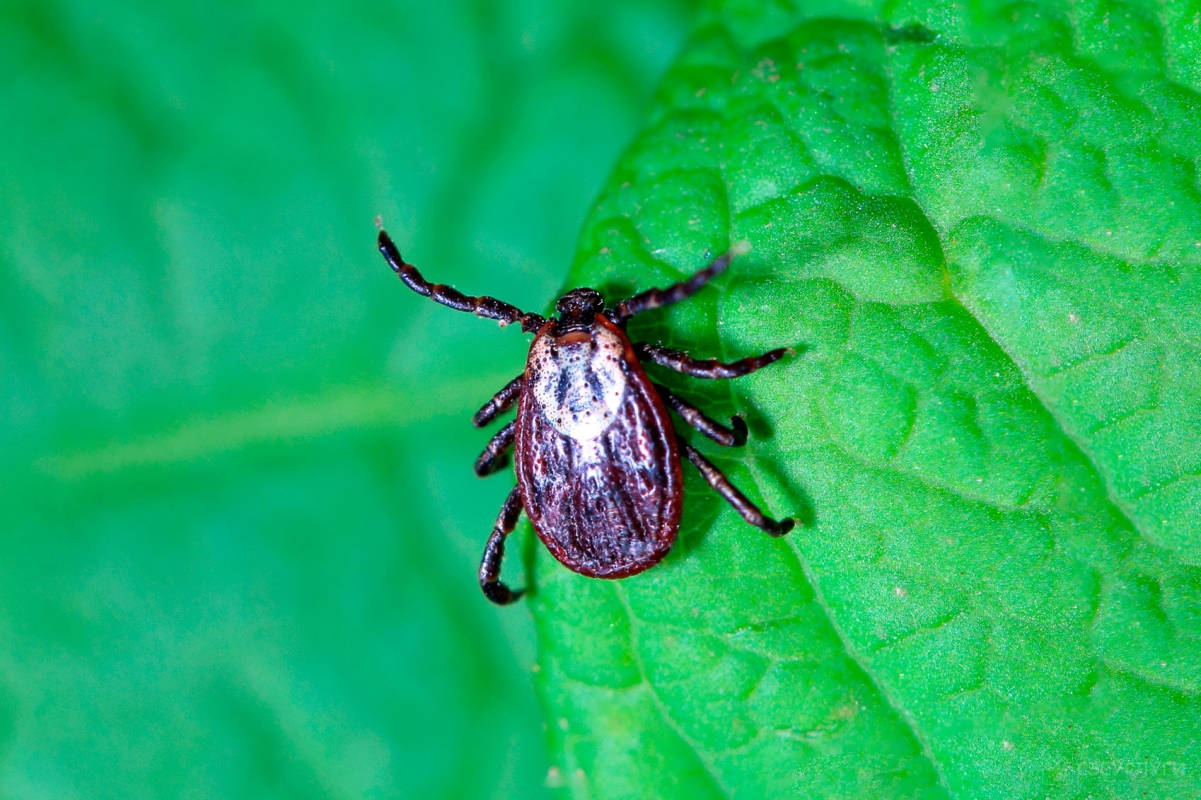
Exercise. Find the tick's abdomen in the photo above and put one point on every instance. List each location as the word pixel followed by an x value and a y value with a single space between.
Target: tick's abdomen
pixel 596 456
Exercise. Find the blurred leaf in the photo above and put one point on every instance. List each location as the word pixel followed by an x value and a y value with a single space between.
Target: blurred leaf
pixel 981 226
pixel 240 528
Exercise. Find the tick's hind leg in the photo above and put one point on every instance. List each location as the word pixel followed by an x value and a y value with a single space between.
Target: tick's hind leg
pixel 494 552
pixel 733 436
pixel 707 367
pixel 654 298
pixel 494 455
pixel 749 511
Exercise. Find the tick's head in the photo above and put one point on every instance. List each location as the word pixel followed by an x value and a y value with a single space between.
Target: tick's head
pixel 579 306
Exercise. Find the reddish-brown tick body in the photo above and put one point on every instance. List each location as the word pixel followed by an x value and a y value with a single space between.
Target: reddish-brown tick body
pixel 597 459
pixel 595 453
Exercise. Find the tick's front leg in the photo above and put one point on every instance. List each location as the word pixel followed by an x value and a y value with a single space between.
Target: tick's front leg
pixel 656 298
pixel 494 552
pixel 487 307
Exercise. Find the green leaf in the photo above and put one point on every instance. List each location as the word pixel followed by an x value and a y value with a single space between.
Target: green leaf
pixel 980 225
pixel 239 526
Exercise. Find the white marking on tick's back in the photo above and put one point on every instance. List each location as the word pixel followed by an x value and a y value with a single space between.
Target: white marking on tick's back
pixel 579 385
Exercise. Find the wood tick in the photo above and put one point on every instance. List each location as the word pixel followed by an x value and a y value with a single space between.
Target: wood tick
pixel 597 459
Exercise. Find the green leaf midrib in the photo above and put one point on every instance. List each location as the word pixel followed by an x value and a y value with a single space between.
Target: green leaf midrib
pixel 814 586
pixel 346 407
pixel 852 653
pixel 1022 368
pixel 942 237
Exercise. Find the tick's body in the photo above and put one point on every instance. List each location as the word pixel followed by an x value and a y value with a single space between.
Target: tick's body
pixel 596 456
pixel 597 459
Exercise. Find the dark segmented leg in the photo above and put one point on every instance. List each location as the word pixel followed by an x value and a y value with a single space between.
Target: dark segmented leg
pixel 488 307
pixel 494 455
pixel 730 437
pixel 749 511
pixel 654 298
pixel 707 367
pixel 500 402
pixel 494 551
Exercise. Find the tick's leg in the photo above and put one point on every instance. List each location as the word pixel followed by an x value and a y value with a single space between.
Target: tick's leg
pixel 488 307
pixel 707 367
pixel 730 437
pixel 494 551
pixel 653 298
pixel 749 511
pixel 499 403
pixel 493 457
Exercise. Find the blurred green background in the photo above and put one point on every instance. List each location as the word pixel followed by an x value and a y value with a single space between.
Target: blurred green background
pixel 240 527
